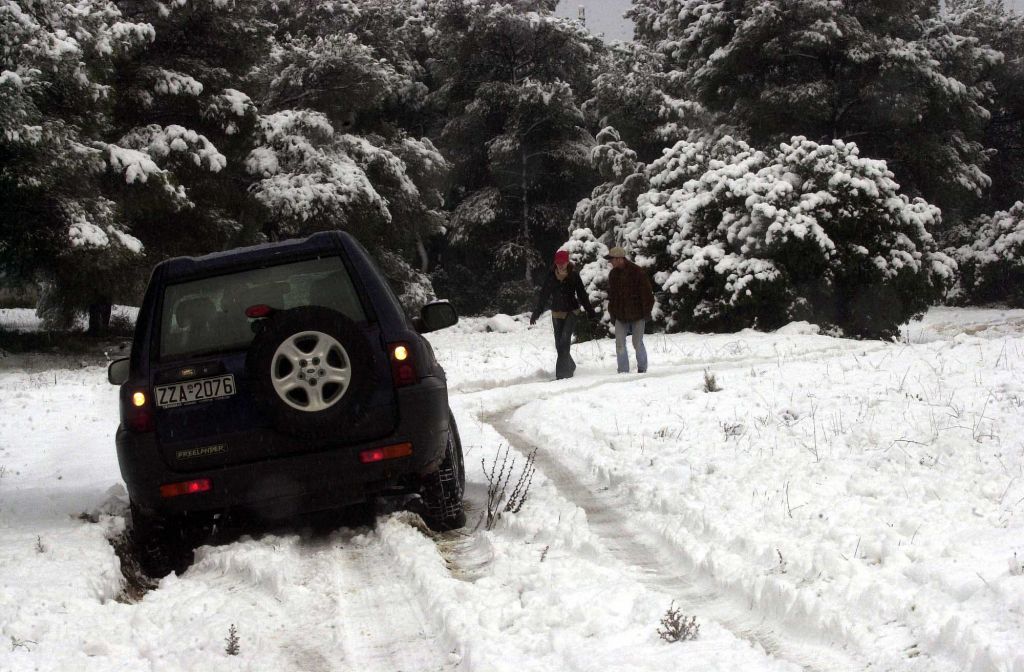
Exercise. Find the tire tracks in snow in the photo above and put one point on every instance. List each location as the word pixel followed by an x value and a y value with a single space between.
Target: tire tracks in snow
pixel 652 559
pixel 371 621
pixel 653 562
pixel 315 603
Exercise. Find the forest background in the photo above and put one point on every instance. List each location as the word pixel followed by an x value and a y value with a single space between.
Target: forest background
pixel 766 160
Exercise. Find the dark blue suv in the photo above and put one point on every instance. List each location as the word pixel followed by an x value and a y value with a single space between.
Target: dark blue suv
pixel 280 379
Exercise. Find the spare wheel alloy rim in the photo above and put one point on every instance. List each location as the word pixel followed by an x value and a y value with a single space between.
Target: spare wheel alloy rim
pixel 311 371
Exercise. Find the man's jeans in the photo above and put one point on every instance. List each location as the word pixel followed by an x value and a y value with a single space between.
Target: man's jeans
pixel 637 329
pixel 565 366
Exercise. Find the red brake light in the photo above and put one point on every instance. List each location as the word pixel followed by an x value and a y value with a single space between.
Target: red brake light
pixel 185 488
pixel 403 367
pixel 385 453
pixel 259 310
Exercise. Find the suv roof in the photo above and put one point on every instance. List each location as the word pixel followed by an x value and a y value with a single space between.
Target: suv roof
pixel 184 267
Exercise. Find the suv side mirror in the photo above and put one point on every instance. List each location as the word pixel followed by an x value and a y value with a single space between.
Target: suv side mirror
pixel 436 315
pixel 117 372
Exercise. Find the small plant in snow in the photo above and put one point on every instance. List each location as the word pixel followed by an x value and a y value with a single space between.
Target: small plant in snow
pixel 710 384
pixel 232 641
pixel 678 628
pixel 1016 566
pixel 668 433
pixel 497 485
pixel 39 545
pixel 20 643
pixel 789 418
pixel 731 429
pixel 781 567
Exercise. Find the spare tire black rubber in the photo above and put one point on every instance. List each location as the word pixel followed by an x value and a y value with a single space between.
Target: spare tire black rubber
pixel 311 369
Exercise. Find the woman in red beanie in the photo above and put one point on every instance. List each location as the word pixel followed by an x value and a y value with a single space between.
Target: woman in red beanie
pixel 564 288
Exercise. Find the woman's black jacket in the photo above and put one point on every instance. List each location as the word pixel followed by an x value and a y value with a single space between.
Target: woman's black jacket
pixel 565 295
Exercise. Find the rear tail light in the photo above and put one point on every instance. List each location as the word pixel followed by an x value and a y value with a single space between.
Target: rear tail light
pixel 403 368
pixel 385 453
pixel 185 488
pixel 139 412
pixel 259 310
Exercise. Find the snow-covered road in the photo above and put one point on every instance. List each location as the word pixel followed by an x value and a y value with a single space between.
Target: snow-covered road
pixel 837 505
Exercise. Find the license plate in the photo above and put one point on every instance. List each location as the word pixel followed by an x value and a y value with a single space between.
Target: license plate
pixel 195 391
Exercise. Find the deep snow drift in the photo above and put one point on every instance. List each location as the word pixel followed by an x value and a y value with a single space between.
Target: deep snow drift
pixel 837 505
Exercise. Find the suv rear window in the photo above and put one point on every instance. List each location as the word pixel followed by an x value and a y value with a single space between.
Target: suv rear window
pixel 208 315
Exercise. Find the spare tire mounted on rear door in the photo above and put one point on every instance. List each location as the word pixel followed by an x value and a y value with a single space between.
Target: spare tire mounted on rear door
pixel 311 368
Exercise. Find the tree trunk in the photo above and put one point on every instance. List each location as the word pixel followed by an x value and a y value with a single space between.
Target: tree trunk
pixel 99 318
pixel 421 250
pixel 526 220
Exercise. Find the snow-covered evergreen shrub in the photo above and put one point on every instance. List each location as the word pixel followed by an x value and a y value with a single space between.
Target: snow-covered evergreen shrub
pixel 643 97
pixel 587 254
pixel 56 220
pixel 992 266
pixel 513 297
pixel 901 77
pixel 413 288
pixel 739 238
pixel 600 219
pixel 612 203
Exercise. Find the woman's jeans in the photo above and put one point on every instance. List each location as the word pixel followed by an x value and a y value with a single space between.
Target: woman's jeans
pixel 564 329
pixel 637 330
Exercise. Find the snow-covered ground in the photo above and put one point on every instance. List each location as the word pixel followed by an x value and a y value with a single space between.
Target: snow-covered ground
pixel 25 319
pixel 838 505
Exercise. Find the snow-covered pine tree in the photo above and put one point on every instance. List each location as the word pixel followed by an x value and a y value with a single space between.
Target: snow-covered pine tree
pixel 644 102
pixel 743 238
pixel 388 44
pixel 307 181
pixel 600 219
pixel 890 75
pixel 991 23
pixel 542 141
pixel 612 203
pixel 56 225
pixel 184 105
pixel 511 83
pixel 334 152
pixel 992 263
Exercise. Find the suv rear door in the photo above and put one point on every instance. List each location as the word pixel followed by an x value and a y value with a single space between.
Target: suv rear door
pixel 206 414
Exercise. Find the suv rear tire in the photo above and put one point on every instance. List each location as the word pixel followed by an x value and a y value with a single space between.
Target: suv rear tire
pixel 161 546
pixel 442 491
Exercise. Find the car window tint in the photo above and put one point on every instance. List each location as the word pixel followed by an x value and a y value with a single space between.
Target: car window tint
pixel 208 315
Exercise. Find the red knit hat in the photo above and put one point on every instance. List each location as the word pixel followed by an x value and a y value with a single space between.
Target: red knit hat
pixel 562 257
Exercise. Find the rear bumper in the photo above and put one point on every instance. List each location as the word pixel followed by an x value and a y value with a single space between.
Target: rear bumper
pixel 295 483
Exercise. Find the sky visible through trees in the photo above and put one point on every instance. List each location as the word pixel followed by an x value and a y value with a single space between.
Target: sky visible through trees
pixel 605 16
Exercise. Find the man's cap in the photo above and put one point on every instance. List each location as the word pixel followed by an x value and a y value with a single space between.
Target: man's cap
pixel 562 257
pixel 615 253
